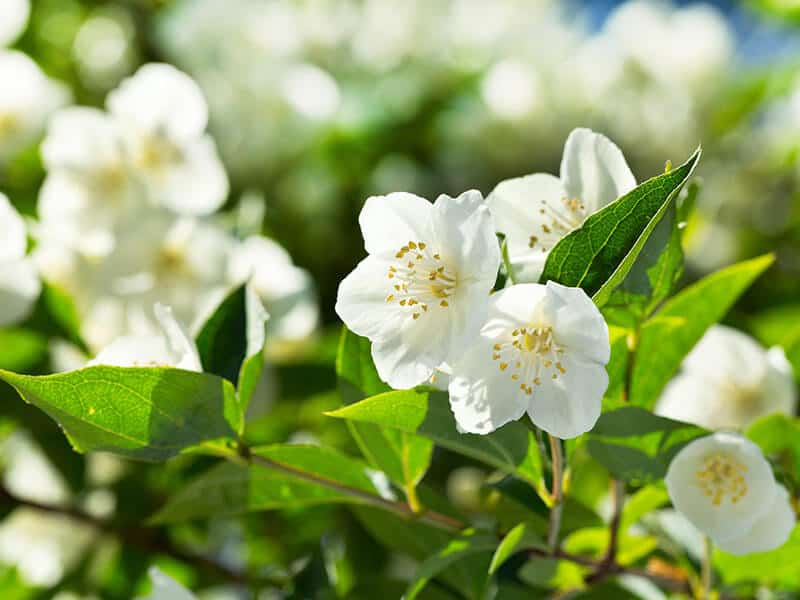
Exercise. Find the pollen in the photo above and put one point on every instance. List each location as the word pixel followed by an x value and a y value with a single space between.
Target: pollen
pixel 721 477
pixel 421 279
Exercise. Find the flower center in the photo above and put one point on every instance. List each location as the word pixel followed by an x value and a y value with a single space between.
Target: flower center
pixel 8 123
pixel 420 279
pixel 156 153
pixel 721 476
pixel 528 355
pixel 559 220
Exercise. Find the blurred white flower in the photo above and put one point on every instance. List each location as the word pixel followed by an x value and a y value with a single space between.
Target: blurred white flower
pixel 29 474
pixel 543 351
pixel 163 115
pixel 166 588
pixel 723 484
pixel 536 211
pixel 510 89
pixel 311 91
pixel 728 381
pixel 286 290
pixel 27 97
pixel 174 347
pixel 422 292
pixel 13 19
pixel 19 283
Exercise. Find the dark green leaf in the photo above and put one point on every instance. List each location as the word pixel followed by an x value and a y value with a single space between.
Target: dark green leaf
pixel 145 413
pixel 598 256
pixel 673 331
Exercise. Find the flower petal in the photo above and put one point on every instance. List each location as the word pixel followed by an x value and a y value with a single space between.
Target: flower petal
pixel 13 236
pixel 594 170
pixel 19 288
pixel 135 351
pixel 516 206
pixel 577 322
pixel 389 222
pixel 198 184
pixel 80 138
pixel 160 98
pixel 693 399
pixel 482 397
pixel 569 405
pixel 463 226
pixel 181 345
pixel 768 532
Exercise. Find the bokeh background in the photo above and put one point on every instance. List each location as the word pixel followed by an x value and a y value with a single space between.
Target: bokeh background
pixel 316 105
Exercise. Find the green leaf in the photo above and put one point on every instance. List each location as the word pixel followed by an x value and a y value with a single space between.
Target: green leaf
pixel 646 500
pixel 232 489
pixel 144 413
pixel 594 541
pixel 780 326
pixel 465 545
pixel 778 436
pixel 598 255
pixel 520 537
pixel 231 342
pixel 636 445
pixel 512 448
pixel 21 349
pixel 617 366
pixel 779 567
pixel 404 457
pixel 672 332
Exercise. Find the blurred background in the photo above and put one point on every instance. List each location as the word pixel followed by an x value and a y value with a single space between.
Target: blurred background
pixel 316 105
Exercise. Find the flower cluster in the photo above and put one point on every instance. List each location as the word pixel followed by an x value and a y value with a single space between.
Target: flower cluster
pixel 19 282
pixel 127 218
pixel 423 296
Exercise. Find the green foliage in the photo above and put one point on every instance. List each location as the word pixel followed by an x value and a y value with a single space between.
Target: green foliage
pixel 511 448
pixel 145 413
pixel 779 567
pixel 636 445
pixel 519 538
pixel 599 255
pixel 231 342
pixel 667 337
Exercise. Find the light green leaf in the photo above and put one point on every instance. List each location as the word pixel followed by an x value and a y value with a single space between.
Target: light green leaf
pixel 778 436
pixel 598 256
pixel 520 537
pixel 231 342
pixel 512 448
pixel 636 445
pixel 404 457
pixel 646 500
pixel 673 331
pixel 594 541
pixel 21 349
pixel 465 545
pixel 780 326
pixel 144 413
pixel 232 489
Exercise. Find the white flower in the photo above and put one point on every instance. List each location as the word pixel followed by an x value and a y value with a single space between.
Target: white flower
pixel 166 588
pixel 19 282
pixel 536 211
pixel 723 484
pixel 90 188
pixel 163 115
pixel 728 381
pixel 422 293
pixel 174 347
pixel 25 105
pixel 286 290
pixel 13 18
pixel 542 351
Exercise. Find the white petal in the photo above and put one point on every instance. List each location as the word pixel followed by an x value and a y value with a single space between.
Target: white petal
pixel 482 397
pixel 180 343
pixel 688 497
pixel 577 322
pixel 160 98
pixel 13 18
pixel 728 356
pixel 198 184
pixel 594 170
pixel 464 225
pixel 409 356
pixel 515 205
pixel 166 588
pixel 13 236
pixel 779 385
pixel 389 222
pixel 361 301
pixel 135 351
pixel 520 304
pixel 569 405
pixel 81 138
pixel 694 399
pixel 768 532
pixel 19 289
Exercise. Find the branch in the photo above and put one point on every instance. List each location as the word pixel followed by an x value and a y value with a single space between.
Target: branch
pixel 557 493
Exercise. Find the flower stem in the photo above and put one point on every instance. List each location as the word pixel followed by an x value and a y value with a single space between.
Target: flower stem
pixel 507 262
pixel 557 493
pixel 705 570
